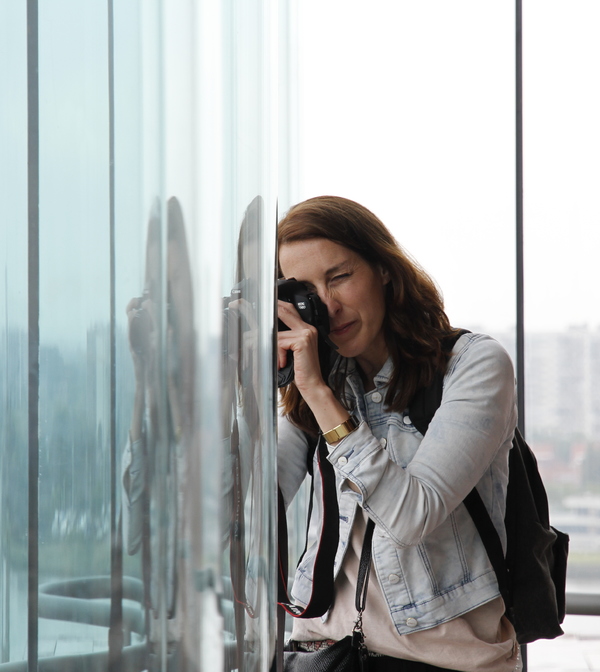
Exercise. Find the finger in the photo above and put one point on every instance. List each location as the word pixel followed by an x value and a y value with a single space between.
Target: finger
pixel 282 358
pixel 288 314
pixel 134 304
pixel 246 310
pixel 303 343
pixel 286 343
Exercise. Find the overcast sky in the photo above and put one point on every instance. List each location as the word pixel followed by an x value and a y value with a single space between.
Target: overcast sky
pixel 409 108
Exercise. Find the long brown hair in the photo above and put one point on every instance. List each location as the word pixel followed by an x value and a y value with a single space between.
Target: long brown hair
pixel 415 323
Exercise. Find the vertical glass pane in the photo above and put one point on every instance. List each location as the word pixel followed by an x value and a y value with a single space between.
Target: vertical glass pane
pixel 562 237
pixel 134 218
pixel 248 276
pixel 13 333
pixel 562 214
pixel 205 558
pixel 74 399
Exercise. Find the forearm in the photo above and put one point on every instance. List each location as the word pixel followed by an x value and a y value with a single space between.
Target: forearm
pixel 292 456
pixel 133 482
pixel 137 417
pixel 411 485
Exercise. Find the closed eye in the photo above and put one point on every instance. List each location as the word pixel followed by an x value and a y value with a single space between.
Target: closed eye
pixel 341 276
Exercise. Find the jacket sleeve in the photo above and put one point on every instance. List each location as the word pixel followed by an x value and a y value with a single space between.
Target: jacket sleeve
pixel 133 481
pixel 472 428
pixel 292 453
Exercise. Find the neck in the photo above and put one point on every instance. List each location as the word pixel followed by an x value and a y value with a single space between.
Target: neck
pixel 369 367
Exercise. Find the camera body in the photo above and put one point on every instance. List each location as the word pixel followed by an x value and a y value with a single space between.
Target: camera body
pixel 313 311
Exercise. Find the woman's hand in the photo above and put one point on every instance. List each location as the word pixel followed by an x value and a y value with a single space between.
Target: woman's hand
pixel 302 340
pixel 140 327
pixel 138 337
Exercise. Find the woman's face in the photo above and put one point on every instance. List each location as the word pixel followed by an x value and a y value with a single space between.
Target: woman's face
pixel 352 290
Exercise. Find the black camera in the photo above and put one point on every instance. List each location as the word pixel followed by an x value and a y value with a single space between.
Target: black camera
pixel 313 311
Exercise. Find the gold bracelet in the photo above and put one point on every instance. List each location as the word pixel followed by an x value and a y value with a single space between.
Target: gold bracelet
pixel 339 432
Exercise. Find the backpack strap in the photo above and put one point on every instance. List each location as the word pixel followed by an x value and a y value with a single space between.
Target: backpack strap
pixel 491 540
pixel 427 400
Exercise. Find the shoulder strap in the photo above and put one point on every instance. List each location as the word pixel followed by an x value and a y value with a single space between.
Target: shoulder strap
pixel 322 595
pixel 427 400
pixel 491 540
pixel 312 442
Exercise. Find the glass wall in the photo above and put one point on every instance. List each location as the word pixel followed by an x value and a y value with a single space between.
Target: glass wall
pixel 137 477
pixel 562 167
pixel 561 108
pixel 13 332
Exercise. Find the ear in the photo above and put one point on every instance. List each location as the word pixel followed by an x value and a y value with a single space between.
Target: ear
pixel 385 275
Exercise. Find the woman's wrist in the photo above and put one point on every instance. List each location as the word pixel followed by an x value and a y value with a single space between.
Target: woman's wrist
pixel 340 431
pixel 139 404
pixel 328 411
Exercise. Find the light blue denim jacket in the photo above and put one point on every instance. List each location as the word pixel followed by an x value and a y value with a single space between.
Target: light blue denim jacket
pixel 428 557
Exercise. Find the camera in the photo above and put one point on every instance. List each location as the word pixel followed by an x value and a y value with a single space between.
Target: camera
pixel 140 328
pixel 313 311
pixel 234 322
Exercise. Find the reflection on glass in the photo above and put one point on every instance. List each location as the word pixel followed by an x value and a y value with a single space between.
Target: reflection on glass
pixel 562 275
pixel 244 487
pixel 154 459
pixel 119 375
pixel 563 423
pixel 13 333
pixel 13 489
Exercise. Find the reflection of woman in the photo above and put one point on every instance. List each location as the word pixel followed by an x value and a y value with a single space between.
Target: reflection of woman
pixel 153 460
pixel 243 456
pixel 433 595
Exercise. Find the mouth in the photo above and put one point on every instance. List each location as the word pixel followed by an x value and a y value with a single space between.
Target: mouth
pixel 342 330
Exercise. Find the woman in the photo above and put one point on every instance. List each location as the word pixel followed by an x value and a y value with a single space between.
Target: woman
pixel 433 596
pixel 155 458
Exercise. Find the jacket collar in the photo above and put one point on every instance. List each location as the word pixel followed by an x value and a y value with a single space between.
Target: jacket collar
pixel 349 368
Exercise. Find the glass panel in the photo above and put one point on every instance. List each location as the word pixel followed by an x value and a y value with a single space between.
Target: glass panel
pixel 563 318
pixel 248 279
pixel 206 557
pixel 132 215
pixel 74 396
pixel 13 333
pixel 562 237
pixel 156 394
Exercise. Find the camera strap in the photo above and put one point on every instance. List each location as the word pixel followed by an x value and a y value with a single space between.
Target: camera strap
pixel 321 597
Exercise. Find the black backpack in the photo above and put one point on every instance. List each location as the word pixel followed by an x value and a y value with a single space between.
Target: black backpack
pixel 532 576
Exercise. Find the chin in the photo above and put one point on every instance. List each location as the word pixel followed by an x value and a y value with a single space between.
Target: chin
pixel 347 351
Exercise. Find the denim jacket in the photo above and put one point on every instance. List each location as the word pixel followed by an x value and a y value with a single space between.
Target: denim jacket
pixel 428 557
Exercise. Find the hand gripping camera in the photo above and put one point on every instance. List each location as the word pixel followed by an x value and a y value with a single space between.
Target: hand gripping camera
pixel 313 311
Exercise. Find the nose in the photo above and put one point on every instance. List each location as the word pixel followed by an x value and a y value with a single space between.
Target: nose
pixel 333 305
